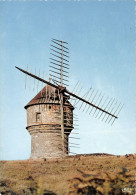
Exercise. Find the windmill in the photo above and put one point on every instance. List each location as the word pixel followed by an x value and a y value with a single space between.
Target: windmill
pixel 56 90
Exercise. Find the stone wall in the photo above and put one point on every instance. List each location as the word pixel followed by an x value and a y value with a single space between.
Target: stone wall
pixel 45 131
pixel 47 145
pixel 49 114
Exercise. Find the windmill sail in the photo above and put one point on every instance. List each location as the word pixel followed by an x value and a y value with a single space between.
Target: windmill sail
pixel 59 62
pixel 103 109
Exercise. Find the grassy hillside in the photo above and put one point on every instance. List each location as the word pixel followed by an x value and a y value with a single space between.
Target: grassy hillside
pixel 80 174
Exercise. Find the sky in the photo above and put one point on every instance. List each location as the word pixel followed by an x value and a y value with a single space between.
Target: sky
pixel 101 37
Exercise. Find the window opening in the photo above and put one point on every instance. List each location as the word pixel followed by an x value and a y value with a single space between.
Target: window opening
pixel 38 117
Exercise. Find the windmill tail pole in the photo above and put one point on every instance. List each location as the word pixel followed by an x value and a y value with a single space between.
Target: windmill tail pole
pixel 62 119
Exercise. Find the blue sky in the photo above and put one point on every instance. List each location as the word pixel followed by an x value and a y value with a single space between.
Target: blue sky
pixel 101 37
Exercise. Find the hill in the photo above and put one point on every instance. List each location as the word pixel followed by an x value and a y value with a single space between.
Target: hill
pixel 79 174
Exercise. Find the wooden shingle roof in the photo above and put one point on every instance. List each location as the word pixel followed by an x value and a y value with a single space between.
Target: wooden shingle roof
pixel 48 93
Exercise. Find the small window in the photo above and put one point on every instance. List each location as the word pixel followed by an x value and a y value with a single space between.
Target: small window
pixel 49 107
pixel 38 117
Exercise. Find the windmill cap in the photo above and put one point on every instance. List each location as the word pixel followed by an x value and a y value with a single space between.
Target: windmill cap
pixel 48 92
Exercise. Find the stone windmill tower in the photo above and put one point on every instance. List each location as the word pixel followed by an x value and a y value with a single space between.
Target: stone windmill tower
pixel 50 113
pixel 44 124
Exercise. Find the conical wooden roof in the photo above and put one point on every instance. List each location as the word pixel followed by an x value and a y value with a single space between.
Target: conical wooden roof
pixel 49 93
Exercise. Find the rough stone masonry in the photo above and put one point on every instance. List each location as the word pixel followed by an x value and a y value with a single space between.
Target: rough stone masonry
pixel 43 124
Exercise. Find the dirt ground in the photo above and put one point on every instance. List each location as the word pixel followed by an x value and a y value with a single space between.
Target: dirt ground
pixel 80 174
